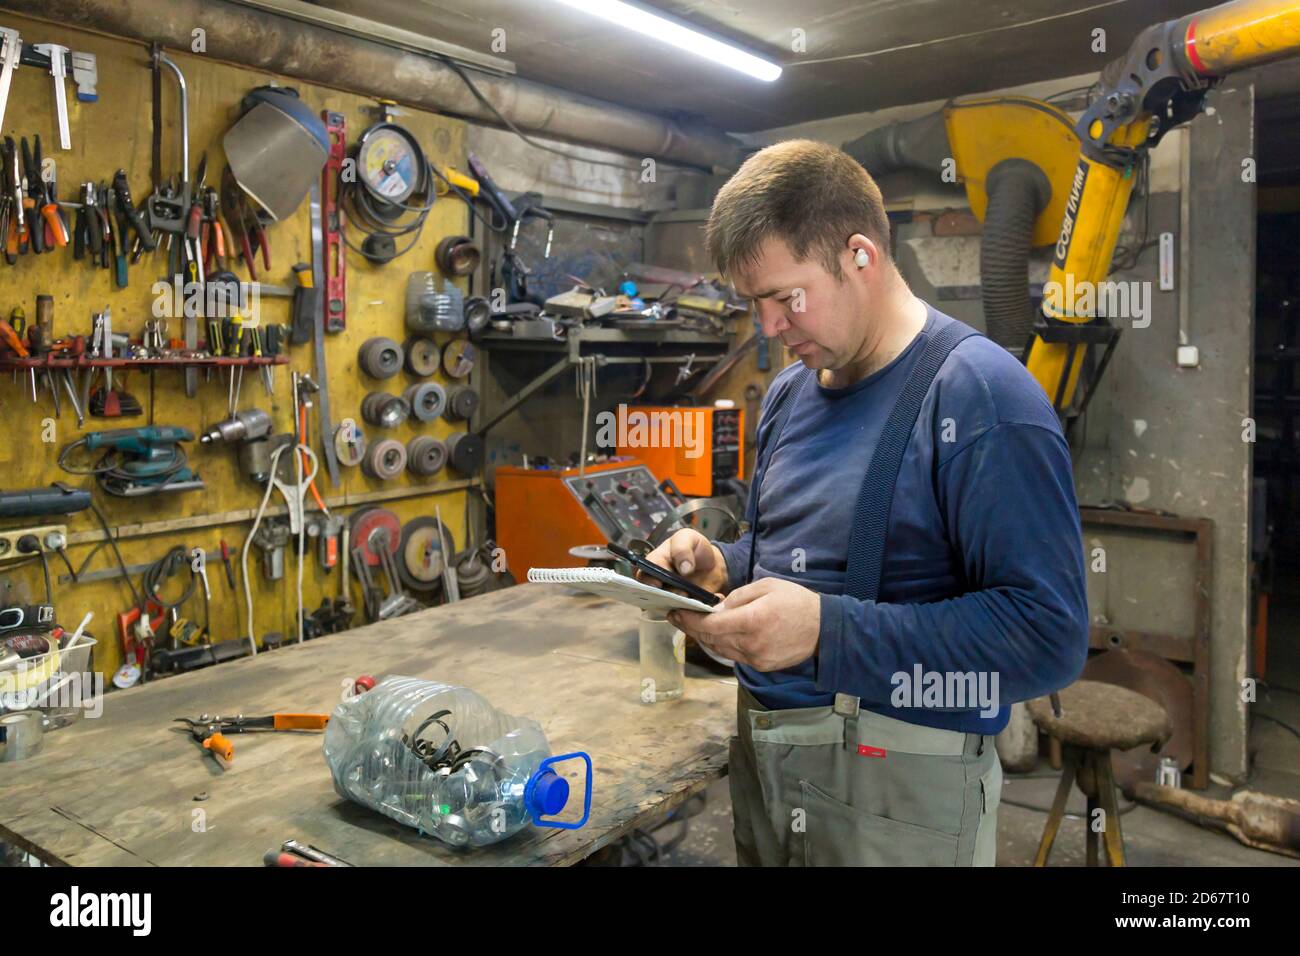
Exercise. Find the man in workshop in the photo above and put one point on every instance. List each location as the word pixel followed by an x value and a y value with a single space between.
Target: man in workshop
pixel 914 563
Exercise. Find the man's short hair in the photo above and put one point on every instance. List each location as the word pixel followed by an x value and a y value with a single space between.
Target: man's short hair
pixel 810 194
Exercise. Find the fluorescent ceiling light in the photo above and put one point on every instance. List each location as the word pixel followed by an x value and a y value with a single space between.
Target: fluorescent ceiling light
pixel 684 38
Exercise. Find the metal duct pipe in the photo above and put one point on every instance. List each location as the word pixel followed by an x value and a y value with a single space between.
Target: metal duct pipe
pixel 909 144
pixel 1017 192
pixel 314 54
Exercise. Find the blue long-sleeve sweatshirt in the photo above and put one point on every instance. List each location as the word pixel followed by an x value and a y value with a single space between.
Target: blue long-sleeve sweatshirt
pixel 982 597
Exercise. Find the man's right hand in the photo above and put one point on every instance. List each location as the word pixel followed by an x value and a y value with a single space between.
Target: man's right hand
pixel 692 556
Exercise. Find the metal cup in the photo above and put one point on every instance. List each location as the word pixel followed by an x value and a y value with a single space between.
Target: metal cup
pixel 21 735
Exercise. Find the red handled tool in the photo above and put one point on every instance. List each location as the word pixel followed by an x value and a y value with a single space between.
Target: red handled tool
pixel 225 559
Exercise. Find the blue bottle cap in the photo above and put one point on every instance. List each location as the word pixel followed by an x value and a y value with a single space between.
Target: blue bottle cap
pixel 550 794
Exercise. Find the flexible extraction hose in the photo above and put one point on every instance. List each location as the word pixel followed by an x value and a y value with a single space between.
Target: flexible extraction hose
pixel 1018 191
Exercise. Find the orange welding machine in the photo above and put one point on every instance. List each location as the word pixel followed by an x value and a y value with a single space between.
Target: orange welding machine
pixel 698 449
pixel 543 512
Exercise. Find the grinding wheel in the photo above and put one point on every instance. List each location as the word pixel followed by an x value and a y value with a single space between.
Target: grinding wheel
pixel 425 455
pixel 465 453
pixel 457 256
pixel 384 459
pixel 427 400
pixel 462 401
pixel 423 356
pixel 380 357
pixel 458 359
pixel 368 528
pixel 384 410
pixel 420 560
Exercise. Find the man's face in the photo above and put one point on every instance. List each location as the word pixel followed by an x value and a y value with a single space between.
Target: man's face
pixel 819 318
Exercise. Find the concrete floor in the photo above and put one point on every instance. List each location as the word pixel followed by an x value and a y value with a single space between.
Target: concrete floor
pixel 1151 838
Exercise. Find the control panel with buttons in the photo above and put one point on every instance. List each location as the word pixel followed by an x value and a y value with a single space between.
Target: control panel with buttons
pixel 625 503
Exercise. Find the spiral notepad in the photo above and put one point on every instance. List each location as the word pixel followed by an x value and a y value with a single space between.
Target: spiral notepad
pixel 620 587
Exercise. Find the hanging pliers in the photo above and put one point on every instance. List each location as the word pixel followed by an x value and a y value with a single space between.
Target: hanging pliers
pixel 31 191
pixel 192 260
pixel 213 238
pixel 11 200
pixel 47 198
pixel 89 228
pixel 211 730
pixel 247 228
pixel 133 216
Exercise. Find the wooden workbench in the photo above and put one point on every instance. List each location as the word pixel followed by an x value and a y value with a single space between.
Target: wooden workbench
pixel 122 789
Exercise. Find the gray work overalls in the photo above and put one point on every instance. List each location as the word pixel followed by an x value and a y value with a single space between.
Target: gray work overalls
pixel 840 786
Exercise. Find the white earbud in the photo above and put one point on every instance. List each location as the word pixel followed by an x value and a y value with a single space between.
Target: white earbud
pixel 862 259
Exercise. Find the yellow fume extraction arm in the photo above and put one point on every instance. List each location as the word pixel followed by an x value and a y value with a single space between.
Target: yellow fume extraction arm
pixel 1035 177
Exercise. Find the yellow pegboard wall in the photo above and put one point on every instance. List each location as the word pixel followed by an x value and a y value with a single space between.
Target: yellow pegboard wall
pixel 116 132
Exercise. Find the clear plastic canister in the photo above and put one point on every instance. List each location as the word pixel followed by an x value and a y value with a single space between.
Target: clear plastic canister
pixel 442 759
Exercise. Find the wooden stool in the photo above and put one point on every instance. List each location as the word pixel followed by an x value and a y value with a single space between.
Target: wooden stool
pixel 1095 719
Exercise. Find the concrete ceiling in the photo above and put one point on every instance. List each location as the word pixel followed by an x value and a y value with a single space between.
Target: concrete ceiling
pixel 860 54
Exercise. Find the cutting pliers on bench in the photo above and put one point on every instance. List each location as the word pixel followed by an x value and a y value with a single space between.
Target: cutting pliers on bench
pixel 211 730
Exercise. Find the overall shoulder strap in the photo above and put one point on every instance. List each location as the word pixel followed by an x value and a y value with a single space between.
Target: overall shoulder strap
pixel 876 497
pixel 778 414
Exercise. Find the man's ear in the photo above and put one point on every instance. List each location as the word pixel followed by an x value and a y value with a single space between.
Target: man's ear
pixel 863 251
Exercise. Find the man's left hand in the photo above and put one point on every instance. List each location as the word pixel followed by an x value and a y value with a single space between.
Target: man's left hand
pixel 768 625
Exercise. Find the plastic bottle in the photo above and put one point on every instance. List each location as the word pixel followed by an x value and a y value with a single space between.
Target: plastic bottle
pixel 430 309
pixel 442 759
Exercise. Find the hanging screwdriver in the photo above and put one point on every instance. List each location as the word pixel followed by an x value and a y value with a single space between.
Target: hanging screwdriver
pixel 215 344
pixel 275 336
pixel 234 339
pixel 12 334
pixel 255 350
